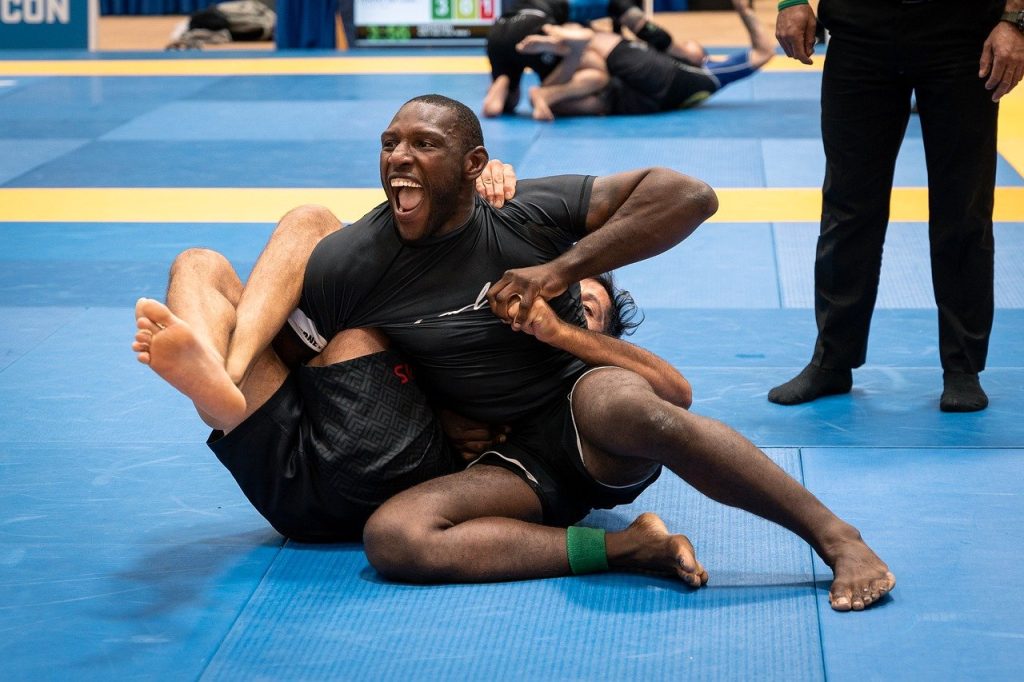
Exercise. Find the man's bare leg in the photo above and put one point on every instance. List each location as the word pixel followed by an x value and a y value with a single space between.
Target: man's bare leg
pixel 184 341
pixel 183 358
pixel 570 42
pixel 622 423
pixel 580 74
pixel 275 285
pixel 483 524
pixel 550 99
pixel 186 347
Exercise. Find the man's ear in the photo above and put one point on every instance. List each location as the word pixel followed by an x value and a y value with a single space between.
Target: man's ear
pixel 474 162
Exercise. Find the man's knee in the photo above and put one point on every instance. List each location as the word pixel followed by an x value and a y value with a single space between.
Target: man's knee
pixel 398 544
pixel 617 411
pixel 199 261
pixel 318 220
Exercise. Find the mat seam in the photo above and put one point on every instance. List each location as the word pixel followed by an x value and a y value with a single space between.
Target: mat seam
pixel 814 580
pixel 778 272
pixel 220 643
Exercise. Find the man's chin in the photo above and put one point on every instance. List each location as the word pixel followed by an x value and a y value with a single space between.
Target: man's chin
pixel 412 225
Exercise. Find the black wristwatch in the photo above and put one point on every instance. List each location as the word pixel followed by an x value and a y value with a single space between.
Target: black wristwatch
pixel 1015 18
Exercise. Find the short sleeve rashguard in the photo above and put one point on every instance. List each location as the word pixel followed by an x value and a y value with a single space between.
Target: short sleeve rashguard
pixel 428 296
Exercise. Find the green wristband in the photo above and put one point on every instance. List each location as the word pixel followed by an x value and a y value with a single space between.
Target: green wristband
pixel 586 549
pixel 783 4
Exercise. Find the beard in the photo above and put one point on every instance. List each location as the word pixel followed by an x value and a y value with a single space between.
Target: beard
pixel 444 202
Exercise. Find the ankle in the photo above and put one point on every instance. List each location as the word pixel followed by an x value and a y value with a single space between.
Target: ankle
pixel 835 538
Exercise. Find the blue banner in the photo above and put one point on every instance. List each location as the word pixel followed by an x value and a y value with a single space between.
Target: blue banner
pixel 47 24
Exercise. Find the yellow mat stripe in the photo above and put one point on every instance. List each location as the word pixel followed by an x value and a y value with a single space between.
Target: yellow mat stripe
pixel 216 205
pixel 271 66
pixel 1011 129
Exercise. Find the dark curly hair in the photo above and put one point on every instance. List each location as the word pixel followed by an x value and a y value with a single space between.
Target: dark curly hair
pixel 622 317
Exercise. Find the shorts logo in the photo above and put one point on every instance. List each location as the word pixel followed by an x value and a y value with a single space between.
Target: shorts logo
pixel 404 372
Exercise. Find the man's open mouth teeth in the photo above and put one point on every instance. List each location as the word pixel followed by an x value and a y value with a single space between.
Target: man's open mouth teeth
pixel 408 194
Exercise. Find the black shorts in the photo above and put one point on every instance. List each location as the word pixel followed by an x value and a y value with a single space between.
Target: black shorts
pixel 332 444
pixel 645 81
pixel 544 451
pixel 502 39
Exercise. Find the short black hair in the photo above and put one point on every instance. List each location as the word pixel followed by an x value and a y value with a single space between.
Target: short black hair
pixel 467 125
pixel 622 316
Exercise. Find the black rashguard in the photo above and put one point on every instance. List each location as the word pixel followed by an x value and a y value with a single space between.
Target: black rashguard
pixel 428 297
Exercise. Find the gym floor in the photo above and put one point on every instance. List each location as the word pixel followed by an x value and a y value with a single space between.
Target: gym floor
pixel 127 551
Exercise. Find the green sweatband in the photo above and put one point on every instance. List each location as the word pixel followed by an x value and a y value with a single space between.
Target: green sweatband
pixel 586 549
pixel 783 4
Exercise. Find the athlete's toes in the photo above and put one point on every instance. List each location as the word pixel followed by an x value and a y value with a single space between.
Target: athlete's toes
pixel 155 311
pixel 841 597
pixel 147 324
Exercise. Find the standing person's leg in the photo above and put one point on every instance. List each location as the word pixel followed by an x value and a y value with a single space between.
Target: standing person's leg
pixel 865 106
pixel 622 423
pixel 273 289
pixel 958 121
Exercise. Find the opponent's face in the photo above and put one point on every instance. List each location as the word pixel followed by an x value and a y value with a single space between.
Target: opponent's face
pixel 596 305
pixel 421 168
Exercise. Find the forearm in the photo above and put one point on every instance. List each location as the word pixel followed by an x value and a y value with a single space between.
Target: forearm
pixel 599 350
pixel 634 216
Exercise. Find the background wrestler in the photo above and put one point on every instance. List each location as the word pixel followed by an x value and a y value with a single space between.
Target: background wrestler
pixel 580 439
pixel 602 73
pixel 526 17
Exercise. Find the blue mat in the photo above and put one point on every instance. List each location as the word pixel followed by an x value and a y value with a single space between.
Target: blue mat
pixel 312 591
pixel 128 552
pixel 943 519
pixel 906 267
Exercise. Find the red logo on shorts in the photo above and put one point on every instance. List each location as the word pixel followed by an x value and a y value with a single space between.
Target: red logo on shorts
pixel 404 372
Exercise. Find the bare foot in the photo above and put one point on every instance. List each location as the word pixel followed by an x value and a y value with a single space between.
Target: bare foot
pixel 497 94
pixel 171 349
pixel 541 110
pixel 646 545
pixel 861 577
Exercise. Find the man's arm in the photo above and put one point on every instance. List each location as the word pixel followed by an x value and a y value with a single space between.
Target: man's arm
pixel 598 350
pixel 632 216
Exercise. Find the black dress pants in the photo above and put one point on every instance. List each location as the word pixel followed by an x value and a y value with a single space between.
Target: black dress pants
pixel 865 106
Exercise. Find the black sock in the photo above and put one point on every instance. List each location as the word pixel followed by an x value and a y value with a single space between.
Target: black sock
pixel 962 392
pixel 813 382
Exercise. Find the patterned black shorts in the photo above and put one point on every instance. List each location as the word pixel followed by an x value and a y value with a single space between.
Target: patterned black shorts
pixel 332 444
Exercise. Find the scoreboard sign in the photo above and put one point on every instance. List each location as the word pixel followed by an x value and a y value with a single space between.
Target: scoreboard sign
pixel 423 22
pixel 48 24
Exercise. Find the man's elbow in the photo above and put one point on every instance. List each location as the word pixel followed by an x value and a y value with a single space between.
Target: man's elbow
pixel 700 198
